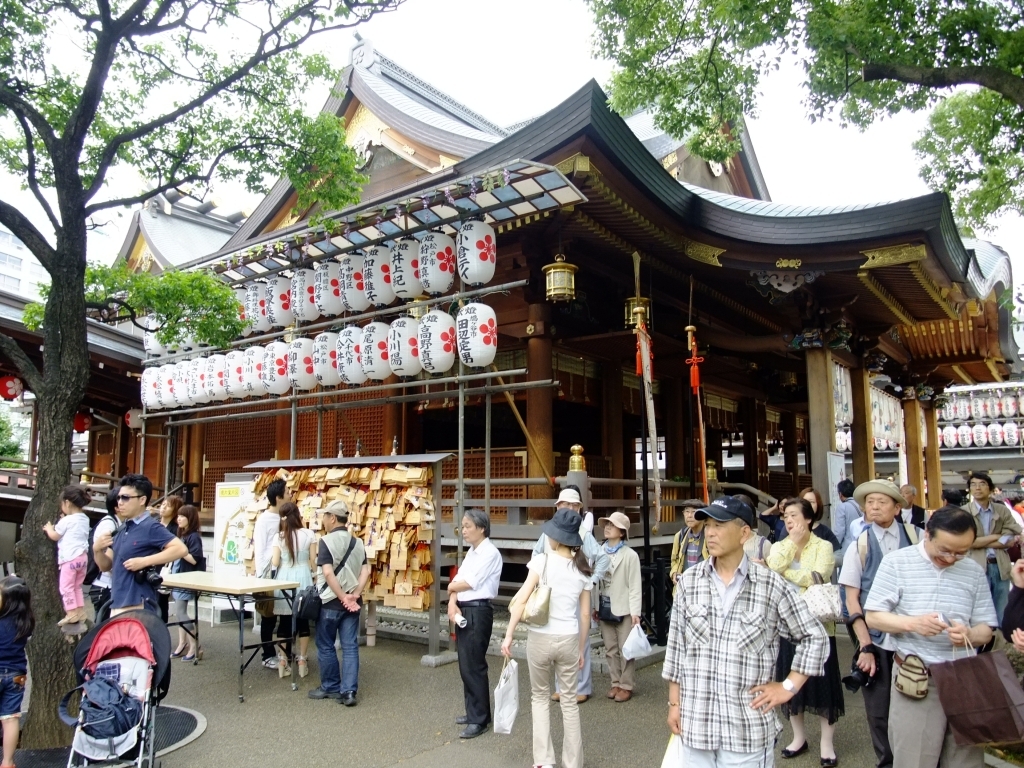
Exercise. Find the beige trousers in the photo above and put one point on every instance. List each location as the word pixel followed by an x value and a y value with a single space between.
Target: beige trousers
pixel 560 653
pixel 623 672
pixel 920 736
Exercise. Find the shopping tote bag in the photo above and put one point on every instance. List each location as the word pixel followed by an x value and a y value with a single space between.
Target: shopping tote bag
pixel 982 699
pixel 674 754
pixel 506 697
pixel 636 644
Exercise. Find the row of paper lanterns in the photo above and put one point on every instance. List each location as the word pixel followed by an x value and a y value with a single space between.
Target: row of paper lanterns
pixel 980 435
pixel 353 356
pixel 980 407
pixel 358 282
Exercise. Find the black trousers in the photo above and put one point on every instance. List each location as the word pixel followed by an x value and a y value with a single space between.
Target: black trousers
pixel 267 625
pixel 472 643
pixel 876 707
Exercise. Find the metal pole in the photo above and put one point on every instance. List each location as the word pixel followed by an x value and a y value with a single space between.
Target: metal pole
pixel 644 499
pixel 433 641
pixel 487 452
pixel 142 446
pixel 295 428
pixel 460 489
pixel 319 429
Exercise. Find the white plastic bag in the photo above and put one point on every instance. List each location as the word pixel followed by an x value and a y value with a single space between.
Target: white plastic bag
pixel 674 754
pixel 636 644
pixel 506 697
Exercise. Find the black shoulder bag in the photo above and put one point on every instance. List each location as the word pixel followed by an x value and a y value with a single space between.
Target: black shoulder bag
pixel 308 602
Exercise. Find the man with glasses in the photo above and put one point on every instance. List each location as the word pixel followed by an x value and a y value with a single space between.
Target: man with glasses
pixel 996 531
pixel 881 501
pixel 134 556
pixel 931 598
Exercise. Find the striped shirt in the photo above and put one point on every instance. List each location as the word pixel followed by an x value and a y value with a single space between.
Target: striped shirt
pixel 908 583
pixel 717 653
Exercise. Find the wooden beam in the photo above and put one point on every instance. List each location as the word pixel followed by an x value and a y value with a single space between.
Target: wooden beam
pixel 861 430
pixel 821 424
pixel 539 404
pixel 932 459
pixel 915 450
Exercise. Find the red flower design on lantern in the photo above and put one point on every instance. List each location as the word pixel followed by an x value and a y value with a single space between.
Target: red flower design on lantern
pixel 286 300
pixel 308 361
pixel 415 351
pixel 448 340
pixel 446 260
pixel 282 366
pixel 383 347
pixel 415 264
pixel 263 306
pixel 358 278
pixel 309 290
pixel 486 248
pixel 334 285
pixel 490 333
pixel 386 271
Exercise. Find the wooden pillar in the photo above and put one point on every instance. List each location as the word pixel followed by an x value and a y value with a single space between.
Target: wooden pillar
pixel 861 431
pixel 196 447
pixel 392 419
pixel 283 437
pixel 932 459
pixel 611 419
pixel 539 401
pixel 755 443
pixel 915 450
pixel 674 399
pixel 790 448
pixel 821 421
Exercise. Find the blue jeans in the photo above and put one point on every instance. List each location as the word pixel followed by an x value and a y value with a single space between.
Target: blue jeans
pixel 11 693
pixel 344 625
pixel 1000 589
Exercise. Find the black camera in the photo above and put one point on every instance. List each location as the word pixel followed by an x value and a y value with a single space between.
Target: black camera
pixel 150 575
pixel 858 678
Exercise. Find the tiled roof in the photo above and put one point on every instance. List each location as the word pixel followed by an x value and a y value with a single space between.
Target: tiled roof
pixel 183 235
pixel 990 267
pixel 768 208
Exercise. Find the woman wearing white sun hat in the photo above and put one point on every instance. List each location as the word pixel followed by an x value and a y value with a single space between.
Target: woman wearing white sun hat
pixel 620 603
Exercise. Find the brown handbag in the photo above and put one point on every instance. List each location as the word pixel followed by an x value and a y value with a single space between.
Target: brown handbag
pixel 982 699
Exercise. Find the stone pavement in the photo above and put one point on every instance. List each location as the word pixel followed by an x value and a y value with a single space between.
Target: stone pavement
pixel 406 717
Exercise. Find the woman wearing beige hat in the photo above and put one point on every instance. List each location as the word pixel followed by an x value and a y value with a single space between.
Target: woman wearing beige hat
pixel 620 603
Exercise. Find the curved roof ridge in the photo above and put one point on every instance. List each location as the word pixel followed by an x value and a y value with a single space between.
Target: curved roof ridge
pixel 990 266
pixel 770 208
pixel 439 97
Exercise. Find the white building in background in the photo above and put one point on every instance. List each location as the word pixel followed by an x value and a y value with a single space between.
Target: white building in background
pixel 20 273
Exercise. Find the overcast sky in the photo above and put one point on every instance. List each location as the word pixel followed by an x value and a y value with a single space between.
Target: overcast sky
pixel 513 60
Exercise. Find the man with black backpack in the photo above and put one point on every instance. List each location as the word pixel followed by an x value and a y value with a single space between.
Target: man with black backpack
pixel 99 581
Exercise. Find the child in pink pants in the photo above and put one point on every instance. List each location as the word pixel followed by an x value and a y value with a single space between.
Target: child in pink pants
pixel 72 536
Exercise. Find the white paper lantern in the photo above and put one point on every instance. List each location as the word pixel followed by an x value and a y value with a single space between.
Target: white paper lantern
pixel 275 368
pixel 437 341
pixel 151 393
pixel 300 364
pixel 350 355
pixel 234 373
pixel 403 347
pixel 325 359
pixel 1009 406
pixel 993 407
pixel 849 441
pixel 979 433
pixel 841 441
pixel 375 351
pixel 256 307
pixel 327 288
pixel 377 276
pixel 166 373
pixel 949 410
pixel 995 434
pixel 353 296
pixel 196 379
pixel 253 368
pixel 279 302
pixel 437 263
pixel 477 249
pixel 963 409
pixel 978 408
pixel 964 436
pixel 242 297
pixel 405 268
pixel 949 438
pixel 181 370
pixel 133 418
pixel 153 347
pixel 1011 434
pixel 477 331
pixel 304 295
pixel 216 374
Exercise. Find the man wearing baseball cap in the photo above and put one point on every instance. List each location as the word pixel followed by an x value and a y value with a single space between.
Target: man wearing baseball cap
pixel 727 617
pixel 884 532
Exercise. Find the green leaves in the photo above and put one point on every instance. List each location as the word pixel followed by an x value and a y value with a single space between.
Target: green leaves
pixel 196 305
pixel 697 64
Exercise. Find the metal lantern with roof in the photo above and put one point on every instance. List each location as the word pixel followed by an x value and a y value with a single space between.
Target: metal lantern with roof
pixel 560 280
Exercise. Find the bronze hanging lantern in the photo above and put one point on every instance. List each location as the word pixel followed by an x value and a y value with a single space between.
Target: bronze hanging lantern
pixel 633 303
pixel 560 280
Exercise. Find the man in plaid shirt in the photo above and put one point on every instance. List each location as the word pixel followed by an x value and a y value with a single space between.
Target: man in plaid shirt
pixel 727 618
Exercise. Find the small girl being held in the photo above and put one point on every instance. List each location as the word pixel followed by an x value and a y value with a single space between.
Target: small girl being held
pixel 16 625
pixel 72 536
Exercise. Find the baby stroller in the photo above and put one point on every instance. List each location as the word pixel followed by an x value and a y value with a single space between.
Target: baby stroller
pixel 134 651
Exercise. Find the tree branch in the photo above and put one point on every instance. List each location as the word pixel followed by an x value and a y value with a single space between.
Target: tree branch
pixel 27 369
pixel 1001 81
pixel 33 182
pixel 26 231
pixel 19 106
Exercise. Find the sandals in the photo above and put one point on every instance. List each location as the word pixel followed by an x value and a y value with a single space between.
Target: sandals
pixel 303 665
pixel 283 670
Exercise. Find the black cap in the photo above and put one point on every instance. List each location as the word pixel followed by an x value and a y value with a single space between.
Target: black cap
pixel 564 528
pixel 726 508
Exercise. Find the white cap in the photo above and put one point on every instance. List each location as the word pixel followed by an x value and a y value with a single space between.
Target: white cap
pixel 569 496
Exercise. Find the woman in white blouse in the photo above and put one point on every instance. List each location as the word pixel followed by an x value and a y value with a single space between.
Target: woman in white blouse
pixel 559 644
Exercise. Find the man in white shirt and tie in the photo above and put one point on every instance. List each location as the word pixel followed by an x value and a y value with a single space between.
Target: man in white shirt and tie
pixel 469 608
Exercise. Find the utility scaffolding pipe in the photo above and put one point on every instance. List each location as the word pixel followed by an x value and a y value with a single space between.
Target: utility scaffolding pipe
pixel 330 393
pixel 361 403
pixel 346 320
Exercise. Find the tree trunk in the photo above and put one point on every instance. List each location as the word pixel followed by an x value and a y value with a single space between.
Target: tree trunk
pixel 65 374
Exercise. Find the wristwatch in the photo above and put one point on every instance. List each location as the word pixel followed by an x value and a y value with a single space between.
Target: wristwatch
pixel 788 685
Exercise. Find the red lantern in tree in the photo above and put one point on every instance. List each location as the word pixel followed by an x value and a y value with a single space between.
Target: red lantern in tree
pixel 11 387
pixel 82 422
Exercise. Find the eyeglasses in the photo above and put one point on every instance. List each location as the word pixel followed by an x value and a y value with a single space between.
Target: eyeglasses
pixel 950 555
pixel 125 499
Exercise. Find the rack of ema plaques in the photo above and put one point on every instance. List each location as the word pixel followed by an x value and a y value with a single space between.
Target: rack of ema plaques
pixel 394 507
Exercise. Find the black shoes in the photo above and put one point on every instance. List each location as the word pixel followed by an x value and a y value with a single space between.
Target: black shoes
pixel 790 753
pixel 349 698
pixel 829 762
pixel 461 720
pixel 320 693
pixel 473 730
